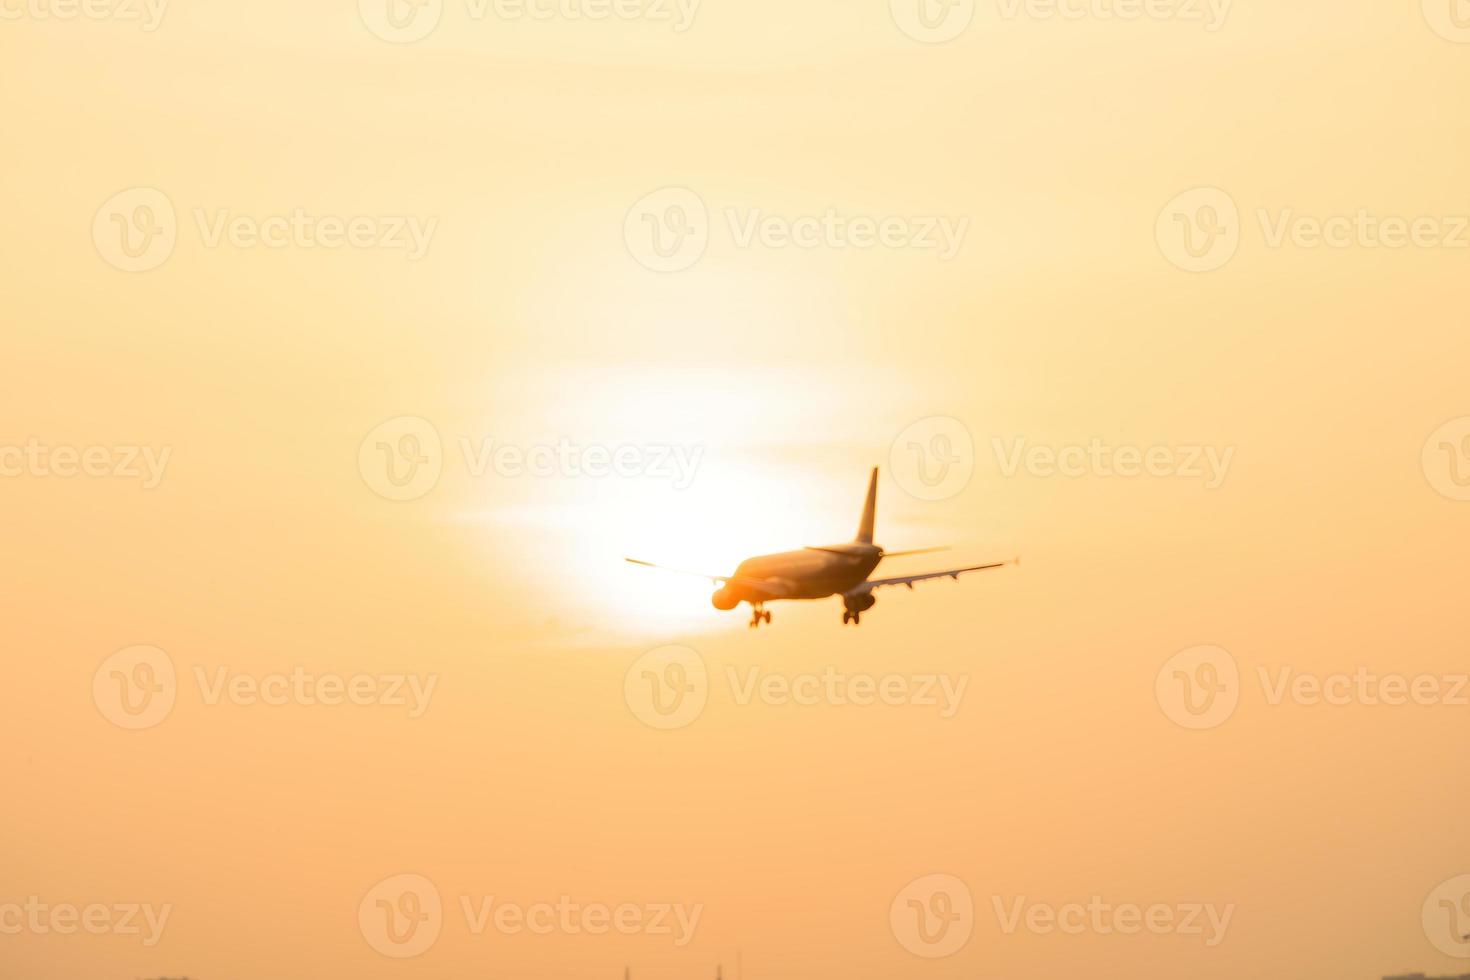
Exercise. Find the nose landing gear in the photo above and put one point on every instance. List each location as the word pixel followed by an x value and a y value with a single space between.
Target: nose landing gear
pixel 759 615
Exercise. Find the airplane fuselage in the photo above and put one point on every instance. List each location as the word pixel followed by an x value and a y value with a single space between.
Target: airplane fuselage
pixel 812 573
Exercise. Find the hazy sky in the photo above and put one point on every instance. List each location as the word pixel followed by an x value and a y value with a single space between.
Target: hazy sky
pixel 348 349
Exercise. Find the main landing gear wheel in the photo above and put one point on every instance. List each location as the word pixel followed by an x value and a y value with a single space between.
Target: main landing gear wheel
pixel 759 616
pixel 855 618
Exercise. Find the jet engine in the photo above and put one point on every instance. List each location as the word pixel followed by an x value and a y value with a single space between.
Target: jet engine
pixel 861 602
pixel 725 599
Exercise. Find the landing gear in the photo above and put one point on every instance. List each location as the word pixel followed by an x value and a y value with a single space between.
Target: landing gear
pixel 759 615
pixel 855 606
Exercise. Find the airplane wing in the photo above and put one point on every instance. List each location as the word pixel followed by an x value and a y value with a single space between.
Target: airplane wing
pixel 909 580
pixel 771 588
pixel 850 550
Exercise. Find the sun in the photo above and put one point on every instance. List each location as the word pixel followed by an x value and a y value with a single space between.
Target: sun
pixel 719 474
pixel 735 509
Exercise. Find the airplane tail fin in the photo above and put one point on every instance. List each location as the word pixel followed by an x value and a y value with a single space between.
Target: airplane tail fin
pixel 865 530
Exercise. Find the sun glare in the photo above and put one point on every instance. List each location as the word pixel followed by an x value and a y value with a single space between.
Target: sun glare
pixel 752 483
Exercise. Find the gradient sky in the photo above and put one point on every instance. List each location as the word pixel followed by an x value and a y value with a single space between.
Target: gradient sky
pixel 1333 543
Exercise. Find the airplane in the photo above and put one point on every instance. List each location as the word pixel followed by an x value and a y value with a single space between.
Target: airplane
pixel 817 573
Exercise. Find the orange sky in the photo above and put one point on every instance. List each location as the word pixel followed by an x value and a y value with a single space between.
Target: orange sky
pixel 267 656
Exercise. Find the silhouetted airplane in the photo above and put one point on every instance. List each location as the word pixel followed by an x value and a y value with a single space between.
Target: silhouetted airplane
pixel 816 573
